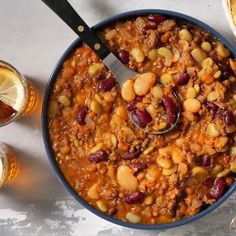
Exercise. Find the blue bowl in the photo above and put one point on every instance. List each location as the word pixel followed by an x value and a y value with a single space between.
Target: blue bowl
pixel 47 145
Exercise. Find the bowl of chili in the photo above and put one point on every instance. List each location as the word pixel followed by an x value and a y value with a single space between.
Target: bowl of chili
pixel 214 169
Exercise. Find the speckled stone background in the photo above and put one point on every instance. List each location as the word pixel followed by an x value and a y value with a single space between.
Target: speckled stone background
pixel 32 38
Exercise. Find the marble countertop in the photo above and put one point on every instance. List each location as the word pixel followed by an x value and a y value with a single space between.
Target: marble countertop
pixel 32 38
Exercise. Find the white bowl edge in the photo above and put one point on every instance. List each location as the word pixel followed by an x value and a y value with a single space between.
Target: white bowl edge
pixel 228 15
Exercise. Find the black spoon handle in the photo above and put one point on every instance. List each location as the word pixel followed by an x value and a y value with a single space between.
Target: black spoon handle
pixel 67 13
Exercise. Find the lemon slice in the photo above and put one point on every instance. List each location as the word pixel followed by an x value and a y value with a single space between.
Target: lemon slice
pixel 233 10
pixel 11 89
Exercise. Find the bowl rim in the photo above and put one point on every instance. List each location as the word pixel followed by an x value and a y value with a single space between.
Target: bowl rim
pixel 45 130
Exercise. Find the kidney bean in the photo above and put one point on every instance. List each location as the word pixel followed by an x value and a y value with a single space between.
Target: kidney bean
pixel 170 109
pixel 209 182
pixel 225 75
pixel 107 84
pixel 123 55
pixel 205 160
pixel 226 115
pixel 82 113
pixel 170 117
pixel 218 188
pixel 134 197
pixel 229 117
pixel 97 157
pixel 183 79
pixel 220 113
pixel 212 107
pixel 168 104
pixel 131 106
pixel 132 155
pixel 149 27
pixel 141 117
pixel 138 165
pixel 100 76
pixel 213 56
pixel 139 99
pixel 112 212
pixel 158 19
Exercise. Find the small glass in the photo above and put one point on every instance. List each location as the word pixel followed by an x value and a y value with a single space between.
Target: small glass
pixel 8 164
pixel 26 99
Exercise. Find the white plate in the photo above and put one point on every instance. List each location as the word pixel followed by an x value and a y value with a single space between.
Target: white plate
pixel 226 6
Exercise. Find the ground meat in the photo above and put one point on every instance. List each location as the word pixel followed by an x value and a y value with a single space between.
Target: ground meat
pixel 186 60
pixel 167 25
pixel 110 35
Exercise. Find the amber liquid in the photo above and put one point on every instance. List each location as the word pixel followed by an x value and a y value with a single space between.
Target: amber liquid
pixel 26 101
pixel 31 100
pixel 9 164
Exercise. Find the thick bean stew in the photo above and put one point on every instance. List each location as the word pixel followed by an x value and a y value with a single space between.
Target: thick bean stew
pixel 117 168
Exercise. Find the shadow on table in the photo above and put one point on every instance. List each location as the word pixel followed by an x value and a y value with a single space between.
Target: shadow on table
pixel 35 180
pixel 37 200
pixel 101 8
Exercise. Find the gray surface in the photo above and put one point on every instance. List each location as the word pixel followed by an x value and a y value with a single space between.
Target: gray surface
pixel 32 38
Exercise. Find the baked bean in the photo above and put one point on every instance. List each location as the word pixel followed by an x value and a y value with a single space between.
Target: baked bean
pixel 184 34
pixel 164 162
pixel 144 82
pixel 233 167
pixel 177 155
pixel 102 206
pixel 233 151
pixel 223 173
pixel 222 51
pixel 132 218
pixel 212 130
pixel 95 68
pixel 192 105
pixel 64 100
pixel 137 54
pixel 206 46
pixel 126 179
pixel 93 192
pixel 152 54
pixel 191 93
pixel 157 92
pixel 167 79
pixel 198 55
pixel 199 171
pixel 127 91
pixel 165 52
pixel 171 170
pixel 96 107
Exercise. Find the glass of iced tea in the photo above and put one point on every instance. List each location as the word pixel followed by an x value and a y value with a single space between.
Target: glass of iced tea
pixel 9 166
pixel 17 97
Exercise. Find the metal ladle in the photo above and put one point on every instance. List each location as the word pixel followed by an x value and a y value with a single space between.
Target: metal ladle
pixel 67 13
